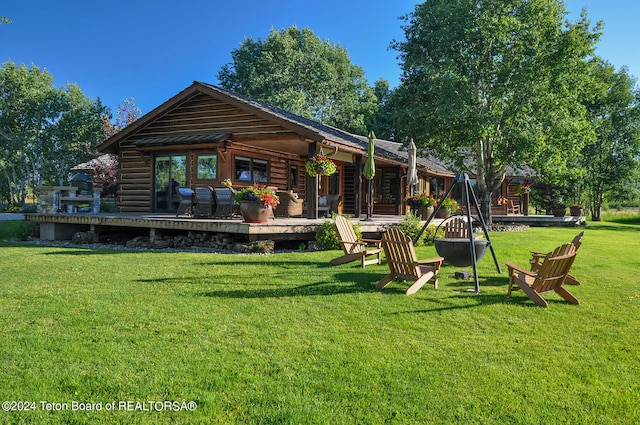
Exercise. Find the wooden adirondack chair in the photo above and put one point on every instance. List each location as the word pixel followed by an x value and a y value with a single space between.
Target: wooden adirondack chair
pixel 538 256
pixel 353 248
pixel 456 228
pixel 549 277
pixel 403 263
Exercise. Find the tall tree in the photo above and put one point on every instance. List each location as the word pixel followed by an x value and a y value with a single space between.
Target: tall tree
pixel 381 121
pixel 492 83
pixel 611 160
pixel 42 129
pixel 295 70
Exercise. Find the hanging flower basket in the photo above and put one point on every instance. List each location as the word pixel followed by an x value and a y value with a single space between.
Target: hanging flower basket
pixel 320 165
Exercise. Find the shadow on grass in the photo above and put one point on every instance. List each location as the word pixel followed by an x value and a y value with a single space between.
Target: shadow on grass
pixel 621 227
pixel 350 283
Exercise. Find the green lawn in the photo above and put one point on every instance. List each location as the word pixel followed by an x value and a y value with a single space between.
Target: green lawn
pixel 289 339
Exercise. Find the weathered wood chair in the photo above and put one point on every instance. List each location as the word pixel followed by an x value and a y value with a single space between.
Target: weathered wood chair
pixel 185 207
pixel 538 256
pixel 512 208
pixel 456 228
pixel 548 278
pixel 353 248
pixel 403 263
pixel 205 202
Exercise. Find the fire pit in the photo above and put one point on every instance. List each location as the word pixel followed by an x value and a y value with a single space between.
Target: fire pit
pixel 457 252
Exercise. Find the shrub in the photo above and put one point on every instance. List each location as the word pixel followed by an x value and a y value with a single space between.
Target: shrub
pixel 24 230
pixel 411 226
pixel 432 232
pixel 108 207
pixel 327 237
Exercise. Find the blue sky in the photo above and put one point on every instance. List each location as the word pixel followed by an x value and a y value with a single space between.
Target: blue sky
pixel 149 50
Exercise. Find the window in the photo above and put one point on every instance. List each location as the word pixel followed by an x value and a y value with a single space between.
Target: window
pixel 293 177
pixel 207 167
pixel 251 169
pixel 436 186
pixel 334 183
pixel 386 186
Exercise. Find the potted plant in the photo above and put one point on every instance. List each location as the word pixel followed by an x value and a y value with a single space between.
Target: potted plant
pixel 423 204
pixel 576 209
pixel 449 205
pixel 320 165
pixel 256 203
pixel 558 209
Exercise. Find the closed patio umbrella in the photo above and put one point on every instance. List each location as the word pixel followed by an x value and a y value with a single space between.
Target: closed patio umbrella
pixel 412 172
pixel 369 173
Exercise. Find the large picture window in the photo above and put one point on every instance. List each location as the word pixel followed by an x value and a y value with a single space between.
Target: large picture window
pixel 251 169
pixel 207 167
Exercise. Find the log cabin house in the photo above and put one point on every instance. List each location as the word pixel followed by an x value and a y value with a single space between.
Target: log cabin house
pixel 206 134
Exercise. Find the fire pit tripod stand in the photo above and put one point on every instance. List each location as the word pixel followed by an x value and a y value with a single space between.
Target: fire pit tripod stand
pixel 468 194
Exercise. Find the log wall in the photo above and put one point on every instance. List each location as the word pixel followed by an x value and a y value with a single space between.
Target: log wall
pixel 200 115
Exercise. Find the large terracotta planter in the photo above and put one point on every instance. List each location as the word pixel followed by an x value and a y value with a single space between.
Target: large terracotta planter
pixel 559 212
pixel 254 212
pixel 425 212
pixel 443 213
pixel 576 212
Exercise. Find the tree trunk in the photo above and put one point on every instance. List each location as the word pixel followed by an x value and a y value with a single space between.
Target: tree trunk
pixel 484 197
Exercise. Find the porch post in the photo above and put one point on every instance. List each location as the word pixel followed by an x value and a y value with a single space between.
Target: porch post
pixel 358 186
pixel 312 187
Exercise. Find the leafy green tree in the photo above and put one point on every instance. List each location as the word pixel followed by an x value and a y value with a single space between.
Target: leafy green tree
pixel 42 129
pixel 612 160
pixel 296 71
pixel 381 121
pixel 495 83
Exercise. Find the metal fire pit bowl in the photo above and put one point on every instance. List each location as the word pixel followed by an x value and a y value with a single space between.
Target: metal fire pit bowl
pixel 457 252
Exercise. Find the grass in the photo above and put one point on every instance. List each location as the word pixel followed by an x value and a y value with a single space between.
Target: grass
pixel 289 339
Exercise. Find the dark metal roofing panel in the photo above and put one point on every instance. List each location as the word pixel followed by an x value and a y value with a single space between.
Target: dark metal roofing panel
pixel 179 140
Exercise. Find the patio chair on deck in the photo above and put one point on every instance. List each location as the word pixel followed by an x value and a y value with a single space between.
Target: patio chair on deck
pixel 403 263
pixel 226 207
pixel 538 257
pixel 185 207
pixel 353 248
pixel 512 208
pixel 548 278
pixel 205 202
pixel 290 204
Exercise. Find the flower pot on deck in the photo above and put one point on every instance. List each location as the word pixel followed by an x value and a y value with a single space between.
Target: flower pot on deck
pixel 559 212
pixel 443 213
pixel 576 212
pixel 425 212
pixel 255 212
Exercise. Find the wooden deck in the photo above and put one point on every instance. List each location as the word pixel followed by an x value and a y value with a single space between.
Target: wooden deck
pixel 63 226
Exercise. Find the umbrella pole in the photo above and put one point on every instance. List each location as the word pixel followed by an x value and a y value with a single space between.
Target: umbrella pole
pixel 369 199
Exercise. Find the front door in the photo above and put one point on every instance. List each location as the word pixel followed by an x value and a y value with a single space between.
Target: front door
pixel 170 172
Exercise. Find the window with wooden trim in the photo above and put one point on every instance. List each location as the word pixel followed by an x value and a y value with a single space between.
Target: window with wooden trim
pixel 251 170
pixel 207 167
pixel 293 177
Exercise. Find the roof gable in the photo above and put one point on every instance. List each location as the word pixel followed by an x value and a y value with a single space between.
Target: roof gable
pixel 193 115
